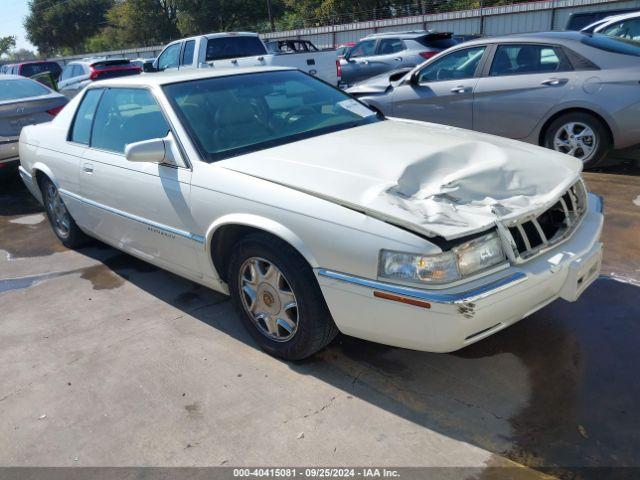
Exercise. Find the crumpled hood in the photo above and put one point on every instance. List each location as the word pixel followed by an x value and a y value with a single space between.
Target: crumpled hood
pixel 432 179
pixel 379 83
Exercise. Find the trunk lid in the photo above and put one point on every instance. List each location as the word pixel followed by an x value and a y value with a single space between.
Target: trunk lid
pixel 15 114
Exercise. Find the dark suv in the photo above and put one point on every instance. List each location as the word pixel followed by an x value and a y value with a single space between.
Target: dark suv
pixel 29 69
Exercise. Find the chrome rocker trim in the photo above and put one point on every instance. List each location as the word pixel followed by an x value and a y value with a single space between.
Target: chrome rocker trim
pixel 431 296
pixel 181 233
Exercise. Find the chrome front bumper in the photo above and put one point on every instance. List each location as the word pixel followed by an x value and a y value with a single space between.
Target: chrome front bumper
pixel 449 319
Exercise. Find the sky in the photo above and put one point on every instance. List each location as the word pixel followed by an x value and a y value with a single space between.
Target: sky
pixel 11 18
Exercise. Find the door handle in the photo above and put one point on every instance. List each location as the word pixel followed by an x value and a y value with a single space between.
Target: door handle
pixel 554 82
pixel 459 89
pixel 87 168
pixel 398 59
pixel 365 62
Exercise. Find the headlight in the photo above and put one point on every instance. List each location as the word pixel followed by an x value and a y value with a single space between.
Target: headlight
pixel 470 257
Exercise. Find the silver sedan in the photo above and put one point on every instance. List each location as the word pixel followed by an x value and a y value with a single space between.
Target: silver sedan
pixel 573 92
pixel 23 102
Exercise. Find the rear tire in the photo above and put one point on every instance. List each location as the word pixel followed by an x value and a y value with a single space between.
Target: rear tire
pixel 580 135
pixel 59 217
pixel 278 298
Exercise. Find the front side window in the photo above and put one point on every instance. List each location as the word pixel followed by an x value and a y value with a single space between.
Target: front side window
pixel 523 59
pixel 81 129
pixel 15 89
pixel 170 57
pixel 187 53
pixel 457 65
pixel 626 29
pixel 124 116
pixel 236 114
pixel 389 46
pixel 365 48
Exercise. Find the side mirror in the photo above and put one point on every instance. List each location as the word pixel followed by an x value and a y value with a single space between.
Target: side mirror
pixel 147 151
pixel 149 67
pixel 157 150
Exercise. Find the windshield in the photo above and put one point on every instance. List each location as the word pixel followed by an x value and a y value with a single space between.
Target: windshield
pixel 232 115
pixel 16 89
pixel 612 44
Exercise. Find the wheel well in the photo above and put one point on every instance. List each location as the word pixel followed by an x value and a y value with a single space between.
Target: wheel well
pixel 226 237
pixel 39 176
pixel 543 130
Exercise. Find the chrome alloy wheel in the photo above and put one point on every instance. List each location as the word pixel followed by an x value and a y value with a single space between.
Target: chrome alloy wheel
pixel 576 139
pixel 57 211
pixel 268 299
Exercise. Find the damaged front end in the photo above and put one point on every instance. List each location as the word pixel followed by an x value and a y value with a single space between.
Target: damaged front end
pixel 514 241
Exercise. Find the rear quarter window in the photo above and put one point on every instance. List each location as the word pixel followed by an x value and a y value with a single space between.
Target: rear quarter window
pixel 83 121
pixel 232 47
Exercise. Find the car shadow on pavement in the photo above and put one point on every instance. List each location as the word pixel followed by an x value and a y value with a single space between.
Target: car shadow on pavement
pixel 558 389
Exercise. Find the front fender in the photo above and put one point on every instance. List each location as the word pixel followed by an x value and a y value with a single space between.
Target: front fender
pixel 260 223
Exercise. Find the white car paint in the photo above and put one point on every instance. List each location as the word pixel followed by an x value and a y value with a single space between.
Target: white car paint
pixel 605 23
pixel 338 199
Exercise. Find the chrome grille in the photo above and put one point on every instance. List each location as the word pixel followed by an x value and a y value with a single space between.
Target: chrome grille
pixel 534 234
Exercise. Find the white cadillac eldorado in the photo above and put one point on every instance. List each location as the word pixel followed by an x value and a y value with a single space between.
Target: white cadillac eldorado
pixel 313 212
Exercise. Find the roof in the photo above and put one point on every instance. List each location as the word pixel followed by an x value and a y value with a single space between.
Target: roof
pixel 7 76
pixel 407 34
pixel 175 76
pixel 215 35
pixel 31 62
pixel 557 37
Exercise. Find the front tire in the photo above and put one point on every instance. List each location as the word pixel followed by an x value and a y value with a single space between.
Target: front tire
pixel 59 217
pixel 580 135
pixel 278 298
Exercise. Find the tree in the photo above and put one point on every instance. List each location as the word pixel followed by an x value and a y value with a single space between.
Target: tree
pixel 64 26
pixel 204 16
pixel 22 55
pixel 137 23
pixel 7 44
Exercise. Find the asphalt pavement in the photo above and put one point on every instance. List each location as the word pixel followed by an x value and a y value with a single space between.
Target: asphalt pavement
pixel 108 361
